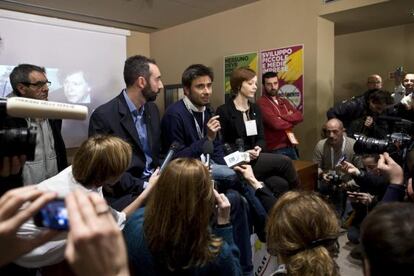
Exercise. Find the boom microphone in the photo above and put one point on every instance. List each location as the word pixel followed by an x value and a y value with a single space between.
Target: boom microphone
pixel 26 107
pixel 174 146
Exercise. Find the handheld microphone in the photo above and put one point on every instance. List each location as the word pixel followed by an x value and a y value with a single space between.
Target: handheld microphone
pixel 238 157
pixel 239 144
pixel 227 149
pixel 174 146
pixel 208 149
pixel 212 112
pixel 26 107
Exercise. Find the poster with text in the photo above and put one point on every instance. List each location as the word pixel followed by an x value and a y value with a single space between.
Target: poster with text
pixel 234 61
pixel 287 62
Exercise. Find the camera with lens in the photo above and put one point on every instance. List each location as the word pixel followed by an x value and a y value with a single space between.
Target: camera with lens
pixel 395 144
pixel 334 178
pixel 18 141
pixel 16 138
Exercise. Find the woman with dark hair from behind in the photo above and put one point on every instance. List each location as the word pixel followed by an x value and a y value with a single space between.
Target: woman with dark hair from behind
pixel 388 240
pixel 302 232
pixel 172 234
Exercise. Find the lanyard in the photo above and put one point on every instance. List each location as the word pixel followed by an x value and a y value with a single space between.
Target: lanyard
pixel 278 111
pixel 200 130
pixel 342 152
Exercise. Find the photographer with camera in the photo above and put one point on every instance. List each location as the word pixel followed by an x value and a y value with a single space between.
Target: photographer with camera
pixel 360 115
pixel 328 154
pixel 372 184
pixel 49 156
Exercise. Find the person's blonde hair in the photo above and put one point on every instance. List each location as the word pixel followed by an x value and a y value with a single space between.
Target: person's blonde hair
pixel 101 158
pixel 302 232
pixel 177 216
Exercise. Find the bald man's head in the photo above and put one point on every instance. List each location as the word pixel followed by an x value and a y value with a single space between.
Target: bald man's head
pixel 374 82
pixel 334 132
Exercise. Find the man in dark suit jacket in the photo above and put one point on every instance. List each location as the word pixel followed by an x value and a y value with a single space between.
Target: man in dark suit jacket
pixel 133 116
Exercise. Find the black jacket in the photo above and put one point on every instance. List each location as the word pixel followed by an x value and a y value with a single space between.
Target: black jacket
pixel 353 113
pixel 233 127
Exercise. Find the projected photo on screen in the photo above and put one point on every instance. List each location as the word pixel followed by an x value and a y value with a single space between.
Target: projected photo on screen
pixel 75 88
pixel 84 62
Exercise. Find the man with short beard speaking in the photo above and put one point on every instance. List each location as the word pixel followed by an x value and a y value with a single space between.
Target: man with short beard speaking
pixel 134 117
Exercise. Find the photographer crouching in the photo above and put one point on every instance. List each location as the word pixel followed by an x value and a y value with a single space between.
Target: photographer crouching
pixel 372 184
pixel 328 154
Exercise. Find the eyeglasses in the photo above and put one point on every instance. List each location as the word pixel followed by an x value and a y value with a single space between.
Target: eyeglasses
pixel 38 84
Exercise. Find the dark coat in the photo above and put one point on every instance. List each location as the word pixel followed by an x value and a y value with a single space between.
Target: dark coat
pixel 114 118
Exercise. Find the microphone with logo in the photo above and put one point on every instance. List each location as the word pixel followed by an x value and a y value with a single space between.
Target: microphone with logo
pixel 237 157
pixel 173 148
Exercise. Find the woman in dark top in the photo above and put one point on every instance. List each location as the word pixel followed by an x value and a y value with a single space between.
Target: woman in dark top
pixel 242 119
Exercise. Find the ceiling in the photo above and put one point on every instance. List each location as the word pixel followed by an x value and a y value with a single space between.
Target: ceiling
pixel 385 14
pixel 136 15
pixel 153 15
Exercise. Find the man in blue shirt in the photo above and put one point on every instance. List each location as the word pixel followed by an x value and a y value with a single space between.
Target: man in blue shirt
pixel 133 116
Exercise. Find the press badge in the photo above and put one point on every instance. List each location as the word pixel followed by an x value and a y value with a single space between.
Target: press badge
pixel 251 128
pixel 291 136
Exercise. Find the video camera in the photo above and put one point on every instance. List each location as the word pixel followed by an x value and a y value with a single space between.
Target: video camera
pixel 16 137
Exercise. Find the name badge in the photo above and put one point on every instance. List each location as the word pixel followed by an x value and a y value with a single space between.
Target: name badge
pixel 251 127
pixel 291 136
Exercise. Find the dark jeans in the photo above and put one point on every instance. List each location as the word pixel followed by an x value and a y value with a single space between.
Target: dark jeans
pixel 241 231
pixel 228 183
pixel 276 171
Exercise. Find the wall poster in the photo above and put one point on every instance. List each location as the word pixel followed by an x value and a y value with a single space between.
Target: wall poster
pixel 234 61
pixel 288 63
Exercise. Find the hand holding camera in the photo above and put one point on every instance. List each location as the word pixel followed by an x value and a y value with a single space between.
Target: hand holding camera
pixel 363 198
pixel 11 218
pixel 95 245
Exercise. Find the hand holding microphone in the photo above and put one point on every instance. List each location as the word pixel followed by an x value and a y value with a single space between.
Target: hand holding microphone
pixel 237 157
pixel 173 148
pixel 213 127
